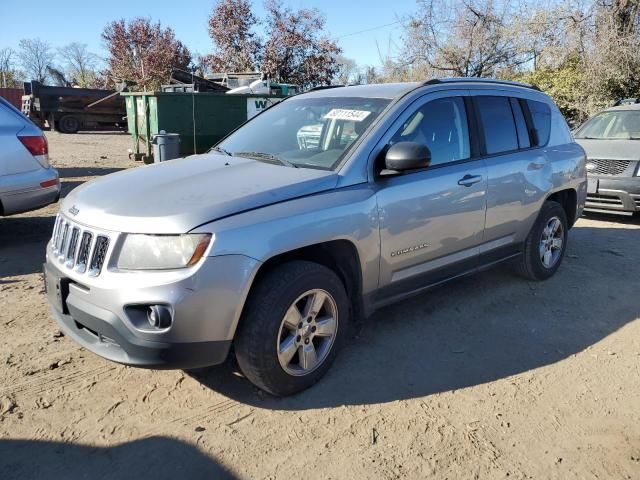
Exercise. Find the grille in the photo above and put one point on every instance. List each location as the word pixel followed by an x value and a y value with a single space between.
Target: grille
pixel 99 254
pixel 83 252
pixel 609 167
pixel 605 200
pixel 79 248
pixel 73 246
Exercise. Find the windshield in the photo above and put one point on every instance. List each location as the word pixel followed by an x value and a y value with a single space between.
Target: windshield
pixel 621 124
pixel 305 132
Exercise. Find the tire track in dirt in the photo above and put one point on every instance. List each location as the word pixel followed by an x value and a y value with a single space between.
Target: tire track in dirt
pixel 202 415
pixel 55 380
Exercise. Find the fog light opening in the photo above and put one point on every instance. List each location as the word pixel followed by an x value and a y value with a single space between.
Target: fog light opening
pixel 159 316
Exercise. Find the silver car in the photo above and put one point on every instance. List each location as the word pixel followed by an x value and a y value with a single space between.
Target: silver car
pixel 27 181
pixel 612 142
pixel 276 246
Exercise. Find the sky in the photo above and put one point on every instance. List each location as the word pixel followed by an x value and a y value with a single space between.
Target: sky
pixel 353 23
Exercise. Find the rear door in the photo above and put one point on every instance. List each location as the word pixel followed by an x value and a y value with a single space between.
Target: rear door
pixel 518 172
pixel 431 221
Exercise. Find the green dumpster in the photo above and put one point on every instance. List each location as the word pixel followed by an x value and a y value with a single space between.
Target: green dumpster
pixel 215 114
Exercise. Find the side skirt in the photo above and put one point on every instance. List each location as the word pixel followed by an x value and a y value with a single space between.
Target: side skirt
pixel 413 286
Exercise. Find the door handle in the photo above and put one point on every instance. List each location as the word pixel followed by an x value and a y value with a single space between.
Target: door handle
pixel 469 180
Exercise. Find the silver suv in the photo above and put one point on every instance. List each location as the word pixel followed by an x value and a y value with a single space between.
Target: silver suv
pixel 276 246
pixel 611 140
pixel 27 181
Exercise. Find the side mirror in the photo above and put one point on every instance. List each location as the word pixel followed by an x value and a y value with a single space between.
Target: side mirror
pixel 404 156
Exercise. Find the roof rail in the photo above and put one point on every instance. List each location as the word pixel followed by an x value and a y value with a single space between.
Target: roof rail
pixel 325 87
pixel 438 81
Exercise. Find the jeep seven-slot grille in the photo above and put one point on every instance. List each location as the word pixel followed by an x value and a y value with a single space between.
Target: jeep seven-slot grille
pixel 99 254
pixel 83 252
pixel 79 248
pixel 608 167
pixel 73 245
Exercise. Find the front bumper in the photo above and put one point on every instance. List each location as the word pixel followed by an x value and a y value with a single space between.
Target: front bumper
pixel 206 306
pixel 614 195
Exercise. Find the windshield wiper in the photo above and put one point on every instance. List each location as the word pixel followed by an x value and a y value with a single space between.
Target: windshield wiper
pixel 221 150
pixel 266 157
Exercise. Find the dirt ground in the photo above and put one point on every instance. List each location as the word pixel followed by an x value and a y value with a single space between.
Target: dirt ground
pixel 488 377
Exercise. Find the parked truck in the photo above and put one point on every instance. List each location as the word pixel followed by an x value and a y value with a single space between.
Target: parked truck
pixel 69 109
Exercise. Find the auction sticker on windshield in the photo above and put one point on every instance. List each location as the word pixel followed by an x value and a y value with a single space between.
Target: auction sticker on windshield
pixel 344 114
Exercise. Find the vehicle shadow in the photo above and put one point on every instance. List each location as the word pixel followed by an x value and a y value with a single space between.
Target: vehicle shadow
pixel 152 458
pixel 103 131
pixel 612 217
pixel 473 331
pixel 66 187
pixel 83 172
pixel 22 244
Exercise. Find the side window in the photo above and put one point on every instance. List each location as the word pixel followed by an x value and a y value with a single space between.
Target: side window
pixel 521 124
pixel 541 117
pixel 442 126
pixel 498 124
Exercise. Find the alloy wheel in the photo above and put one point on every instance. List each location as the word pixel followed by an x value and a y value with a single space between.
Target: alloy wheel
pixel 307 332
pixel 551 242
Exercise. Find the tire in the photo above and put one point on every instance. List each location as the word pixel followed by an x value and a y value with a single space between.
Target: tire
pixel 69 124
pixel 280 299
pixel 536 262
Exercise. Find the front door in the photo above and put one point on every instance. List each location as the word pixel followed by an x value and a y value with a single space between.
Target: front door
pixel 432 221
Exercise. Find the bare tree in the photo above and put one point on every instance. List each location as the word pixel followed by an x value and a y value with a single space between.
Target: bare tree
pixel 8 74
pixel 80 64
pixel 347 70
pixel 371 75
pixel 470 38
pixel 535 34
pixel 612 61
pixel 237 47
pixel 623 16
pixel 35 56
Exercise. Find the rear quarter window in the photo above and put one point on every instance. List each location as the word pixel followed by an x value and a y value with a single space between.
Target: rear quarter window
pixel 541 118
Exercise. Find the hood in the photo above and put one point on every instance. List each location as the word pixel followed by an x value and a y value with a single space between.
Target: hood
pixel 179 195
pixel 611 149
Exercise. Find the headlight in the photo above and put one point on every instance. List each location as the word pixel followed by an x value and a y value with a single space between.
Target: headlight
pixel 162 252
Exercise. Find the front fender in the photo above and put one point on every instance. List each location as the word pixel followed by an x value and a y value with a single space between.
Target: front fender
pixel 344 214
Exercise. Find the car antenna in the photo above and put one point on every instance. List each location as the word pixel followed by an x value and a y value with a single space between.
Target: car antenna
pixel 193 106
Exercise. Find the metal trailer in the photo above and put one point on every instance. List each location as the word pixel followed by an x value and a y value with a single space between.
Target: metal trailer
pixel 69 109
pixel 201 119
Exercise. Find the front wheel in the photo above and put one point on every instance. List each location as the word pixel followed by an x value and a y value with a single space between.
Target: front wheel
pixel 546 244
pixel 293 326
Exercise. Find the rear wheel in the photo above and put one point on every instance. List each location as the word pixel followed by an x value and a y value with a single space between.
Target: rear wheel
pixel 293 326
pixel 69 124
pixel 546 244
